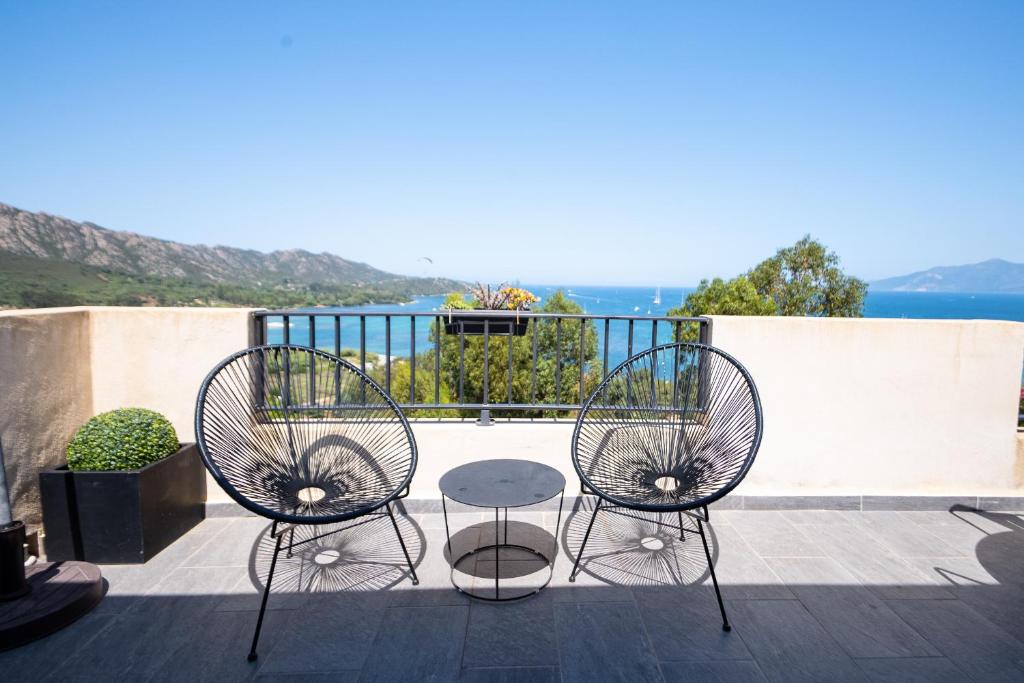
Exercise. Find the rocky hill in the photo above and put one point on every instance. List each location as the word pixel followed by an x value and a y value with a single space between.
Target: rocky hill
pixel 50 260
pixel 994 275
pixel 52 237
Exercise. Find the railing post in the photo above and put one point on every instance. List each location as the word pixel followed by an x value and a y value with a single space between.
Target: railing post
pixel 704 332
pixel 485 414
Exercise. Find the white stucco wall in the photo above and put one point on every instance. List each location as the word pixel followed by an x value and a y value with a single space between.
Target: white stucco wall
pixel 860 407
pixel 156 358
pixel 882 406
pixel 45 395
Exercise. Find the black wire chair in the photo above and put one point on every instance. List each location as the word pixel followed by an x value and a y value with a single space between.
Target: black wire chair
pixel 302 437
pixel 670 430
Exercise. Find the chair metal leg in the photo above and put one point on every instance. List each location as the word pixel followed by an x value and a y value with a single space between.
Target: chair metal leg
pixel 266 594
pixel 682 536
pixel 586 536
pixel 714 579
pixel 401 541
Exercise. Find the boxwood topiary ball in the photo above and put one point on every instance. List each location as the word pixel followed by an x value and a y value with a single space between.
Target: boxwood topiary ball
pixel 122 439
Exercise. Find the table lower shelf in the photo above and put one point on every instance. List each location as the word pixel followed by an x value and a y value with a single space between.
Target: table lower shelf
pixel 506 562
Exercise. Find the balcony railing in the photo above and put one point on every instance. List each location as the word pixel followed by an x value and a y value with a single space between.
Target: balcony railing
pixel 440 363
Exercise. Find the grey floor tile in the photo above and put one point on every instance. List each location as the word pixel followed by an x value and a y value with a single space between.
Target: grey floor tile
pixel 604 641
pixel 685 623
pixel 246 597
pixel 961 529
pixel 1002 605
pixel 143 637
pixel 333 633
pixel 912 670
pixel 536 674
pixel 233 546
pixel 906 538
pixel 858 620
pixel 219 646
pixel 875 565
pixel 770 534
pixel 799 517
pixel 314 677
pixel 789 644
pixel 971 641
pixel 166 619
pixel 39 659
pixel 518 633
pixel 426 642
pixel 712 672
pixel 742 573
pixel 132 580
pixel 954 572
pixel 645 549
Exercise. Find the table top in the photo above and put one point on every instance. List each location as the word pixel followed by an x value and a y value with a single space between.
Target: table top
pixel 502 483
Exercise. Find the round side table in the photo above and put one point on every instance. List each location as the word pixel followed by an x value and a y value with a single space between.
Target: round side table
pixel 502 484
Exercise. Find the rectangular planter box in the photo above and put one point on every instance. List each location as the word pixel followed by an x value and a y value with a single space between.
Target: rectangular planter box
pixel 122 517
pixel 503 323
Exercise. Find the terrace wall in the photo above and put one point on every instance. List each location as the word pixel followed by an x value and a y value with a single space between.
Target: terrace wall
pixel 45 395
pixel 852 408
pixel 883 407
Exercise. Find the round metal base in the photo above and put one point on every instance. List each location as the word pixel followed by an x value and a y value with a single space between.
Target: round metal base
pixel 497 548
pixel 59 593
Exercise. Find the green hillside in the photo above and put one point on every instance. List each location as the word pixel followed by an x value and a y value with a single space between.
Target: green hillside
pixel 28 282
pixel 49 260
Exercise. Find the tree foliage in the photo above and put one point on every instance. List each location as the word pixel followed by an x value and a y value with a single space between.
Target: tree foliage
pixel 804 279
pixel 719 297
pixel 559 356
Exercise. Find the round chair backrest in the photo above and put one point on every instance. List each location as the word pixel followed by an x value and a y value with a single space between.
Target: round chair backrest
pixel 672 428
pixel 299 435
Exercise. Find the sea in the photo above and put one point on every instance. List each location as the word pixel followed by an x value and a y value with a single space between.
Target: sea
pixel 637 301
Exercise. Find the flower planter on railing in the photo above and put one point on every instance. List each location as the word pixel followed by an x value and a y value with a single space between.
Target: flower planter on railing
pixel 503 323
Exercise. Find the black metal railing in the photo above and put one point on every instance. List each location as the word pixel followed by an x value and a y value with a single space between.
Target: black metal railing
pixel 521 362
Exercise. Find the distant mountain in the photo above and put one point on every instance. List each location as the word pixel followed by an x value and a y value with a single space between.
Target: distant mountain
pixel 126 267
pixel 994 275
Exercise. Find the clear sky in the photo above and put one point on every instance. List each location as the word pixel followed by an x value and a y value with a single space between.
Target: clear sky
pixel 589 143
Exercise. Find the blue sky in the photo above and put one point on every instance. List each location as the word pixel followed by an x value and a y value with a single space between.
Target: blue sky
pixel 588 143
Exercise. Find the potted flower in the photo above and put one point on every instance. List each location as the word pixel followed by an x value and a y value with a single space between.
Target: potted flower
pixel 496 309
pixel 129 490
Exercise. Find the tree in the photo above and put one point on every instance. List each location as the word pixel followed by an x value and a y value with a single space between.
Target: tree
pixel 718 297
pixel 804 279
pixel 559 366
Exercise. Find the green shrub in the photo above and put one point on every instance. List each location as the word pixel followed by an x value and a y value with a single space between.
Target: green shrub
pixel 123 439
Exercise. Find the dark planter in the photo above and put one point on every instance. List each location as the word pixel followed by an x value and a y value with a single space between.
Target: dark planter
pixel 498 322
pixel 122 517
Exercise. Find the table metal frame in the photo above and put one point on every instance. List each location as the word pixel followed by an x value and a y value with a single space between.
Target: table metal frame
pixel 497 546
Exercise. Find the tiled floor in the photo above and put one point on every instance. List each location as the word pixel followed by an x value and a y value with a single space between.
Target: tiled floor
pixel 837 596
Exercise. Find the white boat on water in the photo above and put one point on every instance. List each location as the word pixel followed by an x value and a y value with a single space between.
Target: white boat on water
pixel 657 297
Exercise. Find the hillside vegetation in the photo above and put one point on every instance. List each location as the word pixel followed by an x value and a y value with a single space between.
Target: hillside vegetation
pixel 51 261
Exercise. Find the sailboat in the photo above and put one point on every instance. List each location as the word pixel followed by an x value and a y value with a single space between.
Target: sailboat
pixel 657 297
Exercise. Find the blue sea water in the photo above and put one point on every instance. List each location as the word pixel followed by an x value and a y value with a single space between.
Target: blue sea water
pixel 629 301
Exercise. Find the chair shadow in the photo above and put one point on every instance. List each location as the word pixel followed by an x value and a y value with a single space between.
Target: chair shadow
pixel 354 556
pixel 999 552
pixel 642 549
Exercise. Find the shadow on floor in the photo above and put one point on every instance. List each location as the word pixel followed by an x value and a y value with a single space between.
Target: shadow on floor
pixel 631 548
pixel 850 609
pixel 359 555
